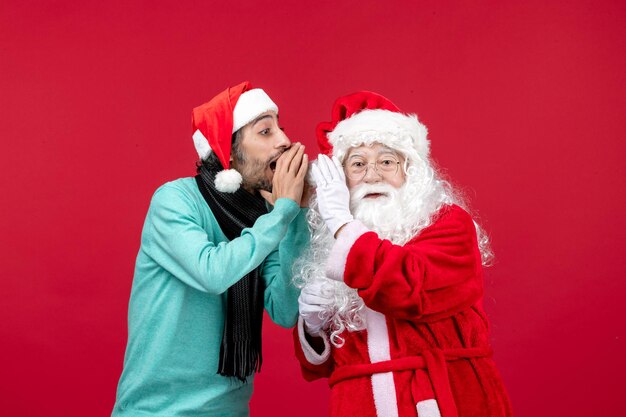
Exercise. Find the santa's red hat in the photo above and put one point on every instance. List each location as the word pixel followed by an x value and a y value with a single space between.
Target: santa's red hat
pixel 214 123
pixel 364 118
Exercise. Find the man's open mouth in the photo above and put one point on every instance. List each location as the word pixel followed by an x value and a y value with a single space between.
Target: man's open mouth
pixel 272 164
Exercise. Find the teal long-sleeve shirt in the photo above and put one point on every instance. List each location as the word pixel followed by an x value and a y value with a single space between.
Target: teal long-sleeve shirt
pixel 177 304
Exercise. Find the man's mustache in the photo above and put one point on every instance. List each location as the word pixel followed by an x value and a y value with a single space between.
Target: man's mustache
pixel 274 157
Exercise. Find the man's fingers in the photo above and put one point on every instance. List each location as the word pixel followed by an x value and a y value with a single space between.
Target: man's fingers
pixel 296 161
pixel 304 167
pixel 269 197
pixel 284 158
pixel 306 195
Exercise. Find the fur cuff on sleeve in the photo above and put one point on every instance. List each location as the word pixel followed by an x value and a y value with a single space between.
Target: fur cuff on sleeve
pixel 339 254
pixel 310 354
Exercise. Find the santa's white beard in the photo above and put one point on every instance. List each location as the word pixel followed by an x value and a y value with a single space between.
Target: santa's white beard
pixel 383 213
pixel 398 215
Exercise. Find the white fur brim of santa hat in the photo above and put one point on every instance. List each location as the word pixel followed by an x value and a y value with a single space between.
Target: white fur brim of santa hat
pixel 251 105
pixel 401 132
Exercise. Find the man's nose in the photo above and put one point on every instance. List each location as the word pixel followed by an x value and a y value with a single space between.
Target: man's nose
pixel 282 140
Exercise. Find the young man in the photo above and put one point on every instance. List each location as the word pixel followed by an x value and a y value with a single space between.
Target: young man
pixel 211 259
pixel 391 305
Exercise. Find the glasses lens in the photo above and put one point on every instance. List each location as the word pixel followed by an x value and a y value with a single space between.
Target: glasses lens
pixel 356 168
pixel 388 165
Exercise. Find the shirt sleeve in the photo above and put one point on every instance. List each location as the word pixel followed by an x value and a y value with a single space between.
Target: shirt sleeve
pixel 436 275
pixel 281 295
pixel 175 239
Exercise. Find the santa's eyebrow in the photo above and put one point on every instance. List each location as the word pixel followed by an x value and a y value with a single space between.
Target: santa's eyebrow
pixel 383 151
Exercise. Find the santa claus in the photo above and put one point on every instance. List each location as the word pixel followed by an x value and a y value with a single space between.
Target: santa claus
pixel 391 303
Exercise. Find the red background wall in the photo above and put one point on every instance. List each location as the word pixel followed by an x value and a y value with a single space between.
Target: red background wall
pixel 525 102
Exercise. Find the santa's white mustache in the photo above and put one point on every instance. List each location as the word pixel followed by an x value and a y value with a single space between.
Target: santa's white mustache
pixel 359 192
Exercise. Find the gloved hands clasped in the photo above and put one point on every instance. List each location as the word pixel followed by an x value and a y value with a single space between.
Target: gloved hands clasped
pixel 333 196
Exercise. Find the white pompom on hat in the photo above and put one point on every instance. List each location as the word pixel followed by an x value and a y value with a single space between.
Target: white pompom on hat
pixel 214 123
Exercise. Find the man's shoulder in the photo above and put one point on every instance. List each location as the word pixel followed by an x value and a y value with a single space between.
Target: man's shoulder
pixel 182 191
pixel 183 185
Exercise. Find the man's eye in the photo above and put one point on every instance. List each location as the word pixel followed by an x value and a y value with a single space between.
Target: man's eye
pixel 264 132
pixel 357 164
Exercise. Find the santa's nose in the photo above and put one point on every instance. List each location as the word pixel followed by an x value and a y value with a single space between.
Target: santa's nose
pixel 372 175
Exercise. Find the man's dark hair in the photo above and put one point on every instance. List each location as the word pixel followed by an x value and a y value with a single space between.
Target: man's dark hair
pixel 212 163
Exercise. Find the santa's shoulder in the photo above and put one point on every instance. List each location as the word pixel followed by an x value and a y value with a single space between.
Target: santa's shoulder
pixel 452 215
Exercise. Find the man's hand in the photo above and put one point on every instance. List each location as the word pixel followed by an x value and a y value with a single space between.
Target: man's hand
pixel 313 305
pixel 288 180
pixel 306 194
pixel 333 196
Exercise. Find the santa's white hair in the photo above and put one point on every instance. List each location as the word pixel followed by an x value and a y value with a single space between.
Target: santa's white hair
pixel 415 205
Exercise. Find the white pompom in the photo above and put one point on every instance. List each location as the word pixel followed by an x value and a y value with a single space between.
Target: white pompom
pixel 228 181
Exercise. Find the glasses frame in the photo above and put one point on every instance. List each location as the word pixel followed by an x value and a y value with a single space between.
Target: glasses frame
pixel 376 170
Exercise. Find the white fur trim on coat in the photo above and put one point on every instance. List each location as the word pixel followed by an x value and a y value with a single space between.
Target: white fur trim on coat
pixel 310 354
pixel 383 387
pixel 336 264
pixel 428 408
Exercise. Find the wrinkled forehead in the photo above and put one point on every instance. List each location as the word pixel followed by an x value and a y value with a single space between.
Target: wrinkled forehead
pixel 374 150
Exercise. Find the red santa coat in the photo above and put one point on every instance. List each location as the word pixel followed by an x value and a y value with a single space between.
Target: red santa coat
pixel 425 351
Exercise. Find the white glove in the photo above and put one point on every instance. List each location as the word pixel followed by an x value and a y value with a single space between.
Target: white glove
pixel 313 301
pixel 333 196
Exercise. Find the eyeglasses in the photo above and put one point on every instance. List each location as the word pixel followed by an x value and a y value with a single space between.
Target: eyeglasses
pixel 385 166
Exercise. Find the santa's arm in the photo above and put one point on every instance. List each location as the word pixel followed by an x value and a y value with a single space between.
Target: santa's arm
pixel 313 353
pixel 435 275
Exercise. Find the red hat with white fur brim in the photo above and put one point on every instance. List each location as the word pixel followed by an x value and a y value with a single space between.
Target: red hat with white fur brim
pixel 364 118
pixel 214 123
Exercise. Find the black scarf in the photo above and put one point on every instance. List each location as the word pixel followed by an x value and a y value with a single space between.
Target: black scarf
pixel 240 351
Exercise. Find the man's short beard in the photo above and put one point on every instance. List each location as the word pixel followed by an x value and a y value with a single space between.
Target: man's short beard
pixel 253 176
pixel 253 170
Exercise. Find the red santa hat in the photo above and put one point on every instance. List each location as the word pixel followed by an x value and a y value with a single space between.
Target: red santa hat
pixel 364 118
pixel 214 123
